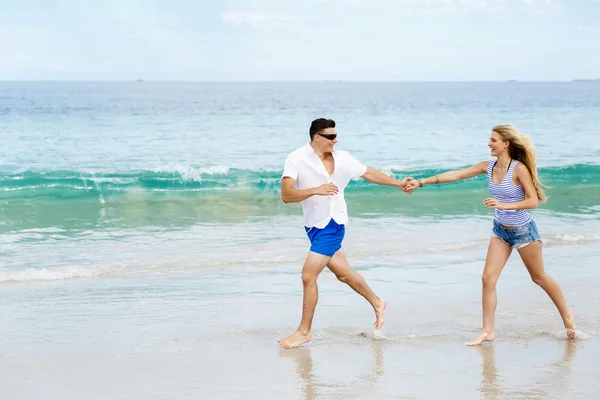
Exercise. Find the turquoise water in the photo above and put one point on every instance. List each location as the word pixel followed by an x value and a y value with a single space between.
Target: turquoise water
pixel 141 222
pixel 230 195
pixel 82 160
pixel 214 152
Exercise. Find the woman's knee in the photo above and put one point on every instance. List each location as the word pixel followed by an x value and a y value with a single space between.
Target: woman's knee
pixel 539 279
pixel 489 281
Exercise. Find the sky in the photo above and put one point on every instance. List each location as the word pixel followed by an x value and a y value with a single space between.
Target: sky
pixel 300 40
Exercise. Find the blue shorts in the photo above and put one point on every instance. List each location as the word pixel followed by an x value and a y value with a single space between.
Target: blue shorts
pixel 517 237
pixel 328 240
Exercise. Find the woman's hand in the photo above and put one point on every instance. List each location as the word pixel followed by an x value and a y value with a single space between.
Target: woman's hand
pixel 412 183
pixel 493 203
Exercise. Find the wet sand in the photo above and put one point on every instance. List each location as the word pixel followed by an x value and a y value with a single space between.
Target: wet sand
pixel 341 364
pixel 211 333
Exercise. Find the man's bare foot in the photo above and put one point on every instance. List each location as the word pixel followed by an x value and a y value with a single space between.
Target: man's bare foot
pixel 379 314
pixel 295 339
pixel 483 337
pixel 570 325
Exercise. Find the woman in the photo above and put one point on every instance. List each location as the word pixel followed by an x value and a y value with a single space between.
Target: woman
pixel 514 184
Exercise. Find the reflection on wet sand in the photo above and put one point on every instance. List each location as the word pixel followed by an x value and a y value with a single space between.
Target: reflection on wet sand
pixel 304 366
pixel 311 385
pixel 555 376
pixel 490 387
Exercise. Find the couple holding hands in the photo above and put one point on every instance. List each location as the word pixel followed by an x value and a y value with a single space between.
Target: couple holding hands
pixel 317 174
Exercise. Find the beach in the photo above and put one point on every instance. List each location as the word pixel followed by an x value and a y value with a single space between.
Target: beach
pixel 145 252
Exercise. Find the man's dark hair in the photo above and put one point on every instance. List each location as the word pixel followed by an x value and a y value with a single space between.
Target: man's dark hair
pixel 319 125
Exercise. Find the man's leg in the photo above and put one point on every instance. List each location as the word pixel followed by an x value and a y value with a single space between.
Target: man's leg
pixel 339 266
pixel 313 266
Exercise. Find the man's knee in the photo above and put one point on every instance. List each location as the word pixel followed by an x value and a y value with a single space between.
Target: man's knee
pixel 345 278
pixel 348 275
pixel 309 278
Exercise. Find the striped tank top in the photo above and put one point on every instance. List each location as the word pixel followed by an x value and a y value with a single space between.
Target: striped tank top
pixel 507 192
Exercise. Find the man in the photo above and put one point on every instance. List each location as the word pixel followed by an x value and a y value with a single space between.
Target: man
pixel 315 176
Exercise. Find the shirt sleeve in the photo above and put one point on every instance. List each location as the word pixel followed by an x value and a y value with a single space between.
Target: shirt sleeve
pixel 356 168
pixel 290 168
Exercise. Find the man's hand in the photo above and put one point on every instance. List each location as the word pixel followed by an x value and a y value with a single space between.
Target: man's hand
pixel 405 187
pixel 327 189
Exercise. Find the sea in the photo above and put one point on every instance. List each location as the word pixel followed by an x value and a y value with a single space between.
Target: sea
pixel 145 252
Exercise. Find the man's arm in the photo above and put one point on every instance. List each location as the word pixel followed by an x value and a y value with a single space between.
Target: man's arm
pixel 289 194
pixel 379 178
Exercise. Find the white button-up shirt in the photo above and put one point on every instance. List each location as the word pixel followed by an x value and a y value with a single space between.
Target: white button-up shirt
pixel 307 169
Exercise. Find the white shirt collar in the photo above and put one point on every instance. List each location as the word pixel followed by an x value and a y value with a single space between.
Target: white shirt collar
pixel 310 150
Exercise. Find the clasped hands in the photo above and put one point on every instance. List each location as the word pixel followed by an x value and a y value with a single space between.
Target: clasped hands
pixel 409 184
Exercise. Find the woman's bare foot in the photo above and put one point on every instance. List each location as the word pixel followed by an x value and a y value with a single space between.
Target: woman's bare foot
pixel 483 337
pixel 570 325
pixel 379 314
pixel 295 339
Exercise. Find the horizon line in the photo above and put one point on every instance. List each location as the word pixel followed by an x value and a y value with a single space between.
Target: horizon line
pixel 141 80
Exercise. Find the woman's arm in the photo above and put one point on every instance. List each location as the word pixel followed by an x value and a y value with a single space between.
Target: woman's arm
pixel 450 176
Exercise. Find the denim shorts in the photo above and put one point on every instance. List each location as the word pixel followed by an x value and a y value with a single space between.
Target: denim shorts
pixel 328 240
pixel 517 237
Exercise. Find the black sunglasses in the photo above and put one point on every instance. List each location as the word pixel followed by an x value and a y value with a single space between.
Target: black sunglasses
pixel 330 136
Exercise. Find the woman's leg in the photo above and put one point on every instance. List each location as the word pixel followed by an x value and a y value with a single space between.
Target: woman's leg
pixel 531 255
pixel 498 253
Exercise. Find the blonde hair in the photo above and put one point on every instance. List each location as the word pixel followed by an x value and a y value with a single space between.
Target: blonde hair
pixel 522 149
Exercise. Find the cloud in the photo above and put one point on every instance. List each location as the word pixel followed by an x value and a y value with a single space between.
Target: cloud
pixel 392 4
pixel 113 40
pixel 254 19
pixel 538 3
pixel 362 14
pixel 297 39
pixel 245 17
pixel 587 29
